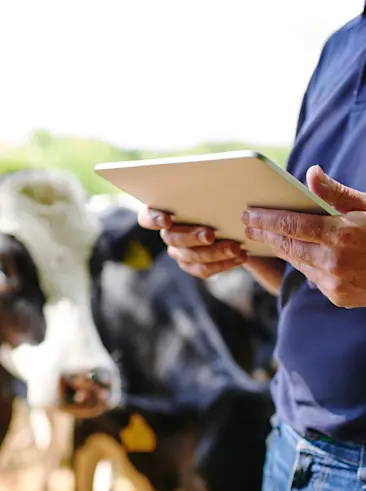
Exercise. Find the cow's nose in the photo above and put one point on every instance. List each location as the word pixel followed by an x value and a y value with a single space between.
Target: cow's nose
pixel 86 393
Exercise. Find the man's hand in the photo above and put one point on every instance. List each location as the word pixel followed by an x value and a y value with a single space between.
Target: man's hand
pixel 194 248
pixel 329 250
pixel 198 253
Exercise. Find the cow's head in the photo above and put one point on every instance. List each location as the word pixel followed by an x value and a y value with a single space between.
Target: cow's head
pixel 47 236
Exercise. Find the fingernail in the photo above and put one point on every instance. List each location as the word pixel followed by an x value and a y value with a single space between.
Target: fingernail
pixel 158 219
pixel 163 233
pixel 203 237
pixel 323 179
pixel 245 217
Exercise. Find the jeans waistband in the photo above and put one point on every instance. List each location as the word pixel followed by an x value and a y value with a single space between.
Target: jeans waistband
pixel 353 454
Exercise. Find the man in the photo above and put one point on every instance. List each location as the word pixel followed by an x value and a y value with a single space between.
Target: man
pixel 319 275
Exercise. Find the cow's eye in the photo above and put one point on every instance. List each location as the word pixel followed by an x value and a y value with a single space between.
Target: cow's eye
pixel 4 273
pixel 3 278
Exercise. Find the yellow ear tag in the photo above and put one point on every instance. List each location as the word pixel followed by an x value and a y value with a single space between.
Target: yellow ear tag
pixel 137 256
pixel 138 436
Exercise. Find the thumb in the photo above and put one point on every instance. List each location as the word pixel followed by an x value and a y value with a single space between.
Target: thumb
pixel 342 198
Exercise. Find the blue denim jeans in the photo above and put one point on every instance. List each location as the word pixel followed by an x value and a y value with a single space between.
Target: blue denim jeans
pixel 294 463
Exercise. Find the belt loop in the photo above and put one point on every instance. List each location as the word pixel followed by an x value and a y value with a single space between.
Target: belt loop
pixel 361 471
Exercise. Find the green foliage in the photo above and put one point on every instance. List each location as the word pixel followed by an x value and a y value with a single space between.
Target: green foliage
pixel 80 155
pixel 277 154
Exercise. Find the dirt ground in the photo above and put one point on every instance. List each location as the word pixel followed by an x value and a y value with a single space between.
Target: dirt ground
pixel 21 463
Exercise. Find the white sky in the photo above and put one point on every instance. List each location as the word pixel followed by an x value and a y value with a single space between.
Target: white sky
pixel 161 73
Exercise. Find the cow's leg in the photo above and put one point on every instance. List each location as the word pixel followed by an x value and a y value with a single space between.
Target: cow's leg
pixel 7 398
pixel 53 436
pixel 6 416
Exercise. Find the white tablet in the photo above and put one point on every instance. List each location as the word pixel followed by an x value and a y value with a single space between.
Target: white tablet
pixel 214 190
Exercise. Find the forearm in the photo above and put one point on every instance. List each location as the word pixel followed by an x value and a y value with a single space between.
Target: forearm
pixel 267 271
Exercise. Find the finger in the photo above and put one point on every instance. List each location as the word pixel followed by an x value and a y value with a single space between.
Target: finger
pixel 187 236
pixel 290 249
pixel 205 271
pixel 301 226
pixel 154 219
pixel 220 251
pixel 343 198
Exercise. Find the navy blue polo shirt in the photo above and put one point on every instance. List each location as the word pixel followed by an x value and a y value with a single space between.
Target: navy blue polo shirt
pixel 321 382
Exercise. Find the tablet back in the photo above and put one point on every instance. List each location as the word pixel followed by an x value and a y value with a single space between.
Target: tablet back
pixel 214 189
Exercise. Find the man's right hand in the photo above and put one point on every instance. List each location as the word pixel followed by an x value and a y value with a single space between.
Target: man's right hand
pixel 195 249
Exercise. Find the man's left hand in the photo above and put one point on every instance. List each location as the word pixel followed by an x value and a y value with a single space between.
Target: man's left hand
pixel 329 250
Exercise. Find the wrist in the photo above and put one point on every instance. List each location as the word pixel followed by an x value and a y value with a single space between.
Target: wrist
pixel 267 271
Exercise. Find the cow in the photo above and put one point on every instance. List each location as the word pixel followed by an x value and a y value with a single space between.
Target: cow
pixel 21 317
pixel 131 339
pixel 185 385
pixel 46 238
pixel 43 218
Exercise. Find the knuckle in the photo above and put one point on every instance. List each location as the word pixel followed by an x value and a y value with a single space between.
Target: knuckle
pixel 180 254
pixel 285 246
pixel 301 252
pixel 172 252
pixel 335 264
pixel 341 194
pixel 205 272
pixel 187 268
pixel 257 219
pixel 288 225
pixel 167 237
pixel 199 257
pixel 335 269
pixel 315 228
pixel 345 237
pixel 228 251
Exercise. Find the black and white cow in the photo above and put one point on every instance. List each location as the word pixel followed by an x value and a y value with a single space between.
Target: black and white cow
pixel 125 342
pixel 185 354
pixel 46 241
pixel 21 316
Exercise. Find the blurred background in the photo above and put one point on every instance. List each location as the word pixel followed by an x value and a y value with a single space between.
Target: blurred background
pixel 85 82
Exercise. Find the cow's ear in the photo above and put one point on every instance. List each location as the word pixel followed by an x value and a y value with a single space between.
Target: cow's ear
pixel 142 248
